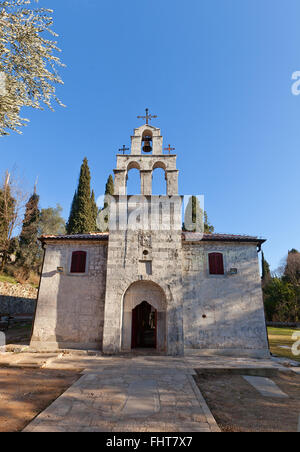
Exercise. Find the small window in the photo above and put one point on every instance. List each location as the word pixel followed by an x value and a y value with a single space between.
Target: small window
pixel 216 264
pixel 78 264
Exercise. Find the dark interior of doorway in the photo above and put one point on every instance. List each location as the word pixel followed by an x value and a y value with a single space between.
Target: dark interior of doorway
pixel 144 326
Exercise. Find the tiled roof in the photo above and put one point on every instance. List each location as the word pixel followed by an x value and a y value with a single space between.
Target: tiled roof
pixel 186 236
pixel 196 237
pixel 91 236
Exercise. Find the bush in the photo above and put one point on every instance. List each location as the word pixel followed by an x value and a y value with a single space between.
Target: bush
pixel 21 275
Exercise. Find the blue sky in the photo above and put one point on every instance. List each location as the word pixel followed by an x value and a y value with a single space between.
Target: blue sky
pixel 218 75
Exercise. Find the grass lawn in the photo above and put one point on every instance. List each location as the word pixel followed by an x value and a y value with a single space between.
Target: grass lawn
pixel 279 337
pixel 9 279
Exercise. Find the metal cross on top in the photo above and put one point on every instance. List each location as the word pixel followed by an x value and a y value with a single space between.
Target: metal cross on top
pixel 124 149
pixel 147 117
pixel 170 149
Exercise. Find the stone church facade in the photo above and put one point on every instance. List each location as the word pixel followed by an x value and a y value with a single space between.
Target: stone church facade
pixel 146 283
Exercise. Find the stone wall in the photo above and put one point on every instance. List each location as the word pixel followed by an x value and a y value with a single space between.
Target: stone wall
pixel 70 309
pixel 17 298
pixel 223 312
pixel 128 249
pixel 202 312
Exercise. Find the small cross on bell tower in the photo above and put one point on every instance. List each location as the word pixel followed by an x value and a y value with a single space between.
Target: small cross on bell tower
pixel 147 117
pixel 124 149
pixel 169 149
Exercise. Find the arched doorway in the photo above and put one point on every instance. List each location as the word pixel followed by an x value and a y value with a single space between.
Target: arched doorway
pixel 144 317
pixel 144 326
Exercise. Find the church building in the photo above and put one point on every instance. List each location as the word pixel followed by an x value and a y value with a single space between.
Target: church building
pixel 147 284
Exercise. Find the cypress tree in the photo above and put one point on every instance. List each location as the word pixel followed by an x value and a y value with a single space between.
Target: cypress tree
pixel 193 216
pixel 29 252
pixel 195 220
pixel 7 219
pixel 109 190
pixel 94 208
pixel 70 224
pixel 103 219
pixel 82 214
pixel 109 187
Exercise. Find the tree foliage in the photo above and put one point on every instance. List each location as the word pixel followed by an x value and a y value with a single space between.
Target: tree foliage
pixel 193 216
pixel 28 62
pixel 103 216
pixel 51 222
pixel 292 267
pixel 282 294
pixel 7 219
pixel 94 209
pixel 73 212
pixel 281 301
pixel 266 274
pixel 195 219
pixel 82 217
pixel 29 254
pixel 12 202
pixel 109 187
pixel 208 228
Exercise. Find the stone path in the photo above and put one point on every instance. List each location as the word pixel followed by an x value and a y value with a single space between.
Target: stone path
pixel 132 393
pixel 140 394
pixel 265 386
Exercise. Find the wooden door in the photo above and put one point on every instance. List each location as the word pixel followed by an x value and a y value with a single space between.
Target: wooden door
pixel 144 326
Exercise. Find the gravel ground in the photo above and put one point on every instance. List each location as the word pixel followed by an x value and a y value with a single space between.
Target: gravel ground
pixel 24 393
pixel 238 407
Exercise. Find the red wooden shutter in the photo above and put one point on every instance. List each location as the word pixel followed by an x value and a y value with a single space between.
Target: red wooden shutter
pixel 216 264
pixel 78 262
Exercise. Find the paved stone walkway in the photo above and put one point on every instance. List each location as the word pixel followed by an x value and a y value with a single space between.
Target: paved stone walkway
pixel 132 393
pixel 140 394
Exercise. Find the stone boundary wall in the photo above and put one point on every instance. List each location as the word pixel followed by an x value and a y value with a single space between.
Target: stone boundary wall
pixel 17 298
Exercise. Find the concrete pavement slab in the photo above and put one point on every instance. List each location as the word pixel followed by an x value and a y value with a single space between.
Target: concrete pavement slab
pixel 265 386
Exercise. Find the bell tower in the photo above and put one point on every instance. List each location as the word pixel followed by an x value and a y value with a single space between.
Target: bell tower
pixel 145 253
pixel 146 155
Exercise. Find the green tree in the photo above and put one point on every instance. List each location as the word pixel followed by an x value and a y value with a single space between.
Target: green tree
pixel 82 214
pixel 266 274
pixel 28 62
pixel 109 187
pixel 292 268
pixel 281 301
pixel 208 228
pixel 193 216
pixel 29 254
pixel 70 226
pixel 95 209
pixel 51 221
pixel 8 218
pixel 195 220
pixel 103 218
pixel 109 191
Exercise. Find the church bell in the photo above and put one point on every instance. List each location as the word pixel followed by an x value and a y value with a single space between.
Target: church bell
pixel 147 144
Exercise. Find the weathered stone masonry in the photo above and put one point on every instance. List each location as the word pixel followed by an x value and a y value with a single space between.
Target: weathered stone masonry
pixel 223 312
pixel 151 261
pixel 70 309
pixel 17 298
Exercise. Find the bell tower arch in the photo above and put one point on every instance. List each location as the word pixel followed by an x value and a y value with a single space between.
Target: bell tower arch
pixel 146 155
